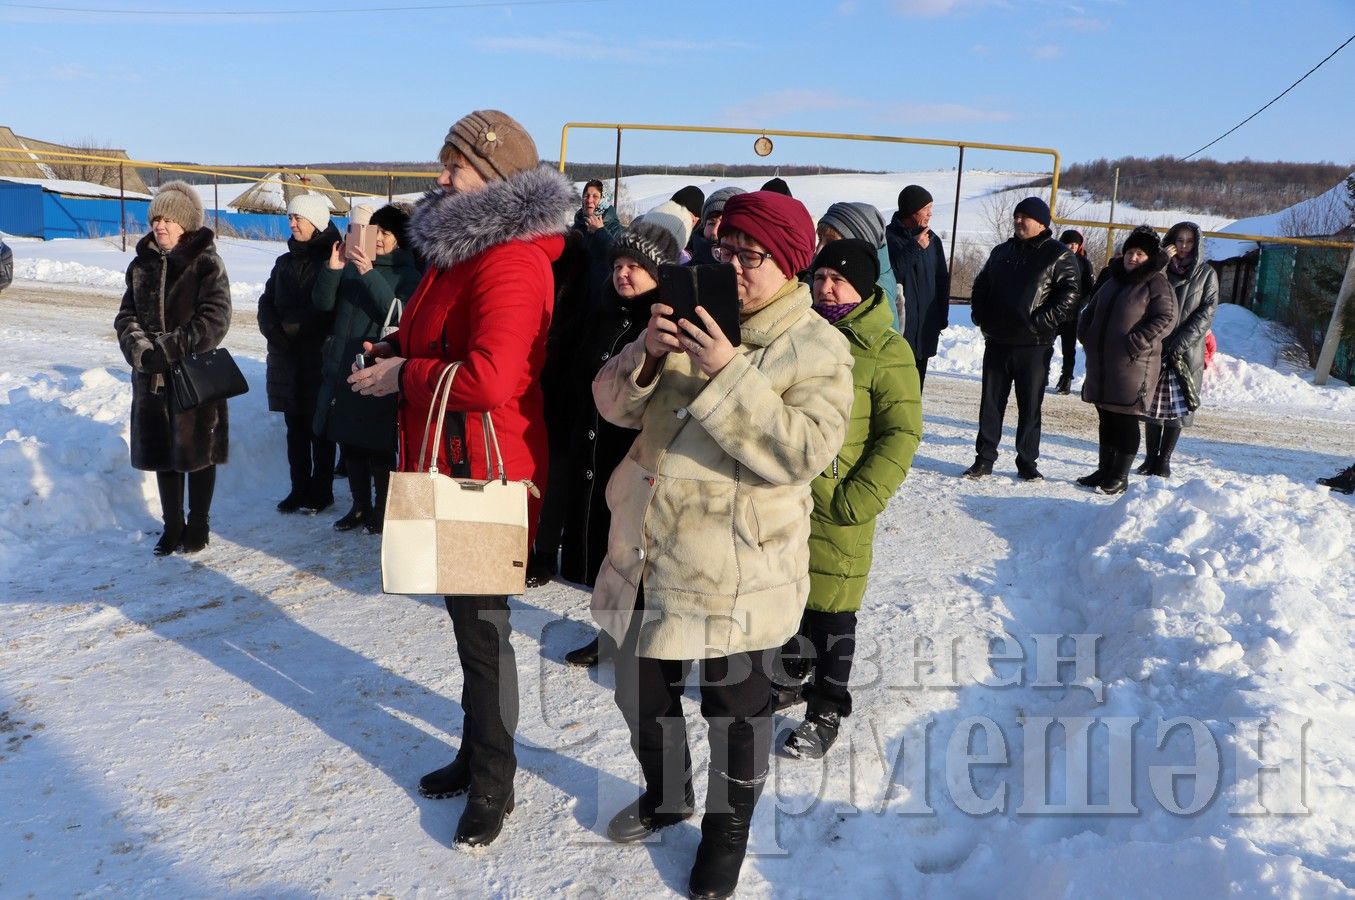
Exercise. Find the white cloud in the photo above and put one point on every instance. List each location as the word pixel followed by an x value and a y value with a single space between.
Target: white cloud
pixel 927 8
pixel 1047 51
pixel 582 45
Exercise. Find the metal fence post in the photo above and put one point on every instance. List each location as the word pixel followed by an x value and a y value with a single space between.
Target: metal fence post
pixel 1110 220
pixel 122 207
pixel 390 187
pixel 216 203
pixel 955 219
pixel 616 175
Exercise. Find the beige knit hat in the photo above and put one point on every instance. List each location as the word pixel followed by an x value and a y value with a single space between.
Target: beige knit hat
pixel 177 202
pixel 495 144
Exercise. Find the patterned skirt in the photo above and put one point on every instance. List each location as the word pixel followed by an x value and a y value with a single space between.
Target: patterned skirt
pixel 1170 401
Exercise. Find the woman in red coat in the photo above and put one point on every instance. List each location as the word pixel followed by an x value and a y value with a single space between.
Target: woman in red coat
pixel 486 302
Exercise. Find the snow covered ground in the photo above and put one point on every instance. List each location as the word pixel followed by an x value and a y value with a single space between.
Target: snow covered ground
pixel 252 720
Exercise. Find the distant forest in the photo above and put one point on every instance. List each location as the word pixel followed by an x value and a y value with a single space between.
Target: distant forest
pixel 1233 189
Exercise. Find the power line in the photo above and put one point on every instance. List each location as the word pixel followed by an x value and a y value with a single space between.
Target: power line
pixel 1276 97
pixel 293 12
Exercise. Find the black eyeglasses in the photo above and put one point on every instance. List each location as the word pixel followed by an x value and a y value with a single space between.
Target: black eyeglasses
pixel 749 259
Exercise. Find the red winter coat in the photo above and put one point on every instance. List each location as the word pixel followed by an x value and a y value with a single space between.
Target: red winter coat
pixel 486 301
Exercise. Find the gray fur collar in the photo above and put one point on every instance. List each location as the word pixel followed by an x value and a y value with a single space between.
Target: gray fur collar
pixel 451 228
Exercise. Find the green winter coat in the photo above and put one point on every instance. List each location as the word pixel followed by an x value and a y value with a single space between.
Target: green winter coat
pixel 882 435
pixel 360 304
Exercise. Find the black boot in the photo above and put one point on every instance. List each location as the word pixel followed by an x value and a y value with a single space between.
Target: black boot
pixel 1117 477
pixel 1170 435
pixel 1342 482
pixel 450 781
pixel 293 501
pixel 585 656
pixel 819 730
pixel 320 495
pixel 1152 450
pixel 724 841
pixel 201 486
pixel 642 818
pixel 483 819
pixel 1065 385
pixel 171 512
pixel 980 469
pixel 1102 466
pixel 356 515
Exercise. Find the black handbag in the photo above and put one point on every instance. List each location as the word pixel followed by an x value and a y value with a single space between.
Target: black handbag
pixel 205 378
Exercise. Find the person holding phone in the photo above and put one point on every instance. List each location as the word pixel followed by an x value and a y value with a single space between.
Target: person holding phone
pixel 360 291
pixel 708 551
pixel 485 302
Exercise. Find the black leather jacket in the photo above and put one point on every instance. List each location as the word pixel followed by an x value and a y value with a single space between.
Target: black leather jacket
pixel 1026 290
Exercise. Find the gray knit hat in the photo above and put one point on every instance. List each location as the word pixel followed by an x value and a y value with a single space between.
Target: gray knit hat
pixel 715 203
pixel 177 202
pixel 856 220
pixel 647 242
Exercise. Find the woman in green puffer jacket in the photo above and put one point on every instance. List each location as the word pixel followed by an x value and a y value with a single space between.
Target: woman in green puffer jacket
pixel 361 292
pixel 882 435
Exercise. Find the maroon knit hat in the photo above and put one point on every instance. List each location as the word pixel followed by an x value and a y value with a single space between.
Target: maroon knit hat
pixel 777 222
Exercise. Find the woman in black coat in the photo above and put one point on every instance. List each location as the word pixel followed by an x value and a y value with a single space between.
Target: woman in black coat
pixel 177 303
pixel 596 446
pixel 296 332
pixel 1121 331
pixel 361 294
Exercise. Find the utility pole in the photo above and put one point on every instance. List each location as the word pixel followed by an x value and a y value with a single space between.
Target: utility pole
pixel 1333 338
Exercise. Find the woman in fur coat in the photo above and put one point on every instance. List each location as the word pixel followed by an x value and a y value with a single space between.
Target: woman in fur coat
pixel 177 303
pixel 486 302
pixel 708 551
pixel 1121 331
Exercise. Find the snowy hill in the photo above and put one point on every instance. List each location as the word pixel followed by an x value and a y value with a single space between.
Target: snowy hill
pixel 1324 214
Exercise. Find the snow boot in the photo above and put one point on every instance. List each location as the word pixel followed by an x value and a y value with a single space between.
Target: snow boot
pixel 1065 385
pixel 724 841
pixel 450 781
pixel 642 818
pixel 355 516
pixel 1170 436
pixel 171 512
pixel 201 486
pixel 1152 440
pixel 293 501
pixel 196 534
pixel 1102 466
pixel 482 819
pixel 979 469
pixel 1116 480
pixel 585 657
pixel 815 735
pixel 1342 482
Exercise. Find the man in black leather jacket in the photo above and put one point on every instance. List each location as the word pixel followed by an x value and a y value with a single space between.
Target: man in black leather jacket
pixel 1027 288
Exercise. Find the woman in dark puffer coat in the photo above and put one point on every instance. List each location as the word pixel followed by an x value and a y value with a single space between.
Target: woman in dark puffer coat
pixel 1121 331
pixel 178 303
pixel 361 293
pixel 1178 390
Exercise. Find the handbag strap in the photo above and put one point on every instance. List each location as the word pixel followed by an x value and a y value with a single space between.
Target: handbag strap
pixel 442 392
pixel 395 310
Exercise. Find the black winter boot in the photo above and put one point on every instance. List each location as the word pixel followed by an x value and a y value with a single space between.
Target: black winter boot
pixel 482 819
pixel 1117 477
pixel 642 818
pixel 355 516
pixel 171 512
pixel 1152 450
pixel 815 735
pixel 1170 435
pixel 724 842
pixel 449 781
pixel 1342 482
pixel 293 501
pixel 201 486
pixel 585 657
pixel 1065 385
pixel 1102 466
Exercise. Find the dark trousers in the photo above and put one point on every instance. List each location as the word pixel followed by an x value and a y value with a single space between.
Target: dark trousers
pixel 201 486
pixel 1068 346
pixel 735 701
pixel 489 691
pixel 1118 432
pixel 1027 370
pixel 825 647
pixel 310 459
pixel 368 469
pixel 922 371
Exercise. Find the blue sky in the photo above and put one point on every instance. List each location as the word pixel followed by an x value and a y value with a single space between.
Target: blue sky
pixel 1090 78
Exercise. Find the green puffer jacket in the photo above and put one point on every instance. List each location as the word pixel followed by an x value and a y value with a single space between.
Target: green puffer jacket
pixel 882 435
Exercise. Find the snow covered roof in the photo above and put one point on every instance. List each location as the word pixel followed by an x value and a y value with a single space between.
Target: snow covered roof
pixel 1319 216
pixel 274 191
pixel 77 188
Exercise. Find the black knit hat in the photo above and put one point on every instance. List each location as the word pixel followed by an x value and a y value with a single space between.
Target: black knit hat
pixel 1143 238
pixel 1033 208
pixel 1071 236
pixel 913 198
pixel 854 259
pixel 691 198
pixel 778 185
pixel 392 219
pixel 648 243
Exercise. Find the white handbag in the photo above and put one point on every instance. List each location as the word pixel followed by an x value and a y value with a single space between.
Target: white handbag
pixel 454 536
pixel 395 311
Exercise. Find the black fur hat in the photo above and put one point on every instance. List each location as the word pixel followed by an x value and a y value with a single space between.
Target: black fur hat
pixel 1143 238
pixel 393 219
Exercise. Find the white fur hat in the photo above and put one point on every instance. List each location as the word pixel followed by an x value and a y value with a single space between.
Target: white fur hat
pixel 312 207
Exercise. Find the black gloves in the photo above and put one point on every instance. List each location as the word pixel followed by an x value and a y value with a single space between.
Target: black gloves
pixel 153 361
